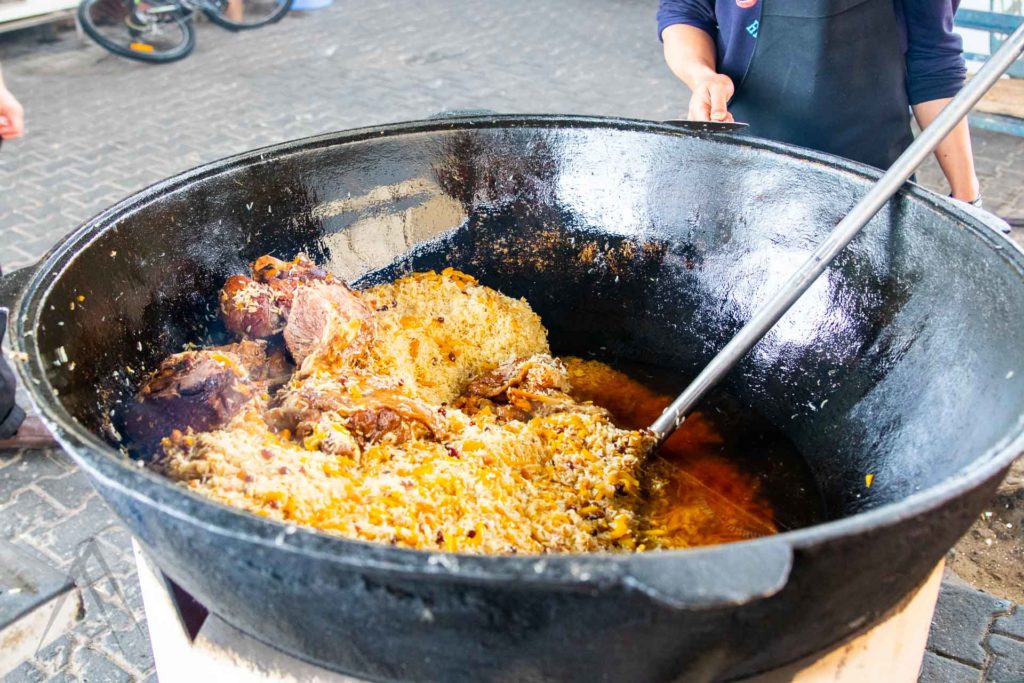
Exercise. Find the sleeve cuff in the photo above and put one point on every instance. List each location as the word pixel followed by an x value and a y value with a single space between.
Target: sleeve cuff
pixel 930 89
pixel 710 29
pixel 10 424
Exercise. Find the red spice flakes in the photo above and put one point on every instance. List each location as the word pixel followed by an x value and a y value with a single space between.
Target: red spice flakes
pixel 451 356
pixel 267 454
pixel 442 411
pixel 452 452
pixel 471 533
pixel 282 470
pixel 440 537
pixel 440 318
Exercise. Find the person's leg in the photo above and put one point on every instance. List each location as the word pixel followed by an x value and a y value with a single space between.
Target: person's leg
pixel 235 10
pixel 11 416
pixel 15 430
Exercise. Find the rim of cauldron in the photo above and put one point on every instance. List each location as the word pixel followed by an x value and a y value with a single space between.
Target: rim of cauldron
pixel 114 471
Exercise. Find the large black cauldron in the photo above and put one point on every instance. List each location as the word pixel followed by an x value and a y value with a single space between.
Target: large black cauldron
pixel 648 244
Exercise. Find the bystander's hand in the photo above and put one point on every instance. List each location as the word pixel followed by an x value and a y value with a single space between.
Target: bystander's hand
pixel 12 116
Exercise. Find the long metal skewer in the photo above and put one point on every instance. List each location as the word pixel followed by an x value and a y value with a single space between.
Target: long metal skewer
pixel 890 183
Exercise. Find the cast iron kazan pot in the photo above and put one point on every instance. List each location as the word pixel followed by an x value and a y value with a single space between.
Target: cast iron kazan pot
pixel 633 240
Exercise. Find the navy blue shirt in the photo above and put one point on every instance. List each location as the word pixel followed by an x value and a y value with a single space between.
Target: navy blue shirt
pixel 934 53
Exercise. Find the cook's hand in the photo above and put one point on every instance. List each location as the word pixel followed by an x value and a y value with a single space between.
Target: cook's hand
pixel 709 99
pixel 12 115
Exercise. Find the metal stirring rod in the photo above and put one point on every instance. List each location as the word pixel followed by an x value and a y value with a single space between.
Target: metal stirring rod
pixel 890 183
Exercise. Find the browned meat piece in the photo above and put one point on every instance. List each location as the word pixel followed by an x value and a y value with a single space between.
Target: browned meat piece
pixel 251 309
pixel 369 418
pixel 197 389
pixel 257 306
pixel 521 389
pixel 295 297
pixel 202 390
pixel 534 374
pixel 267 269
pixel 372 425
pixel 271 369
pixel 316 307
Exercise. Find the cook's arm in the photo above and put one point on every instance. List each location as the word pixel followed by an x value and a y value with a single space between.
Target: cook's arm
pixel 687 28
pixel 935 73
pixel 954 153
pixel 690 53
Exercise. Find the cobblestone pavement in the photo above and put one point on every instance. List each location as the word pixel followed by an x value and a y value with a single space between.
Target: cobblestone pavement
pixel 100 127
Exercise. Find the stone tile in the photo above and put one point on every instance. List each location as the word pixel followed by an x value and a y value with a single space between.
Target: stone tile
pixel 71 490
pixel 25 511
pixel 938 669
pixel 64 677
pixel 92 665
pixel 31 466
pixel 104 610
pixel 67 539
pixel 8 458
pixel 26 673
pixel 130 646
pixel 1011 624
pixel 56 656
pixel 1007 660
pixel 961 622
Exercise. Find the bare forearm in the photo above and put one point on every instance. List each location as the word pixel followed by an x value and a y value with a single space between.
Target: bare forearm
pixel 689 53
pixel 954 153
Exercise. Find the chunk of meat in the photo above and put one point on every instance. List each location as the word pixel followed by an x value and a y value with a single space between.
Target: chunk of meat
pixel 318 310
pixel 369 418
pixel 267 269
pixel 269 369
pixel 202 390
pixel 251 309
pixel 257 306
pixel 197 389
pixel 521 389
pixel 538 373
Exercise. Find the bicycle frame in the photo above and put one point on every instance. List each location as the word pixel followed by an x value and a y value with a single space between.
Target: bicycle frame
pixel 155 8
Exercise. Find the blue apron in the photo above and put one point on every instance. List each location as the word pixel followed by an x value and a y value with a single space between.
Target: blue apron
pixel 829 75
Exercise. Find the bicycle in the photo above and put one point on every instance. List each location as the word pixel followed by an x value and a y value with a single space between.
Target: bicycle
pixel 160 31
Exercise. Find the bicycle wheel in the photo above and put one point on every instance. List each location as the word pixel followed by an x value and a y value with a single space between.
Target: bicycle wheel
pixel 154 31
pixel 239 15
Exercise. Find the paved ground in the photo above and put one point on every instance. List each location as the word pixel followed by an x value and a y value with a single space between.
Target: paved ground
pixel 100 127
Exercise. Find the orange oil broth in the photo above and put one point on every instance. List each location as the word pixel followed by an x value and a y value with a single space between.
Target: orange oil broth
pixel 696 495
